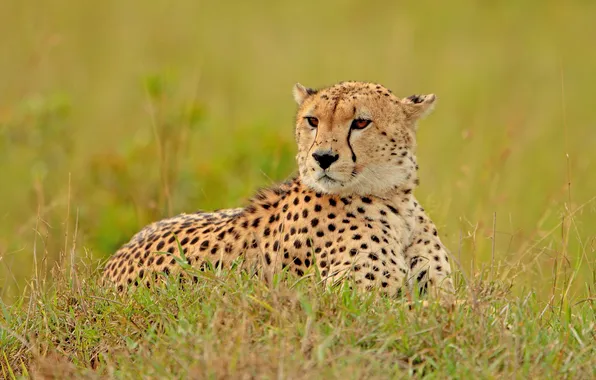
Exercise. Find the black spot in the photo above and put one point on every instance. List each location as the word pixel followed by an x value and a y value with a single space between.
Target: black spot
pixel 304 213
pixel 297 261
pixel 356 237
pixel 267 258
pixel 266 231
pixel 370 276
pixel 160 245
pixel 297 244
pixel 331 227
pixel 421 276
pixel 318 208
pixel 414 261
pixel 332 202
pixel 320 233
pixel 331 216
pixel 204 245
pixel 374 238
pixel 307 198
pixel 361 210
pixel 159 261
pixel 353 252
pixel 393 209
pixel 314 222
pixel 366 200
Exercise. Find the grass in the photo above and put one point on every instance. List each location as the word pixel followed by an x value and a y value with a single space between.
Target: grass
pixel 115 114
pixel 231 325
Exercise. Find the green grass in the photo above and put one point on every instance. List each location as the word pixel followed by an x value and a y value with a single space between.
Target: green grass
pixel 232 325
pixel 115 114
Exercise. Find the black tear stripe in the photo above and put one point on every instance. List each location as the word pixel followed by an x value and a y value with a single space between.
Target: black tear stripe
pixel 350 145
pixel 313 142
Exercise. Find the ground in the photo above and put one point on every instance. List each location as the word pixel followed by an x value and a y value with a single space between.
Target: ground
pixel 230 325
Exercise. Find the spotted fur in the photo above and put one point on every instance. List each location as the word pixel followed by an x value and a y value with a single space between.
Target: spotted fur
pixel 351 212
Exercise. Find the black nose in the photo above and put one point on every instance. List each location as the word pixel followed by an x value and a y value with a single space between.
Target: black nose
pixel 325 159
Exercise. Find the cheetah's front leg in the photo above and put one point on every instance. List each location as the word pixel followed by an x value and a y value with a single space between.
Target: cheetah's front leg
pixel 428 260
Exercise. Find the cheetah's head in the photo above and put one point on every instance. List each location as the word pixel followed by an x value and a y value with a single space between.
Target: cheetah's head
pixel 357 138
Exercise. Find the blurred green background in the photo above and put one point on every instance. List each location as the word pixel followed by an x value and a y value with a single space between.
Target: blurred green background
pixel 117 113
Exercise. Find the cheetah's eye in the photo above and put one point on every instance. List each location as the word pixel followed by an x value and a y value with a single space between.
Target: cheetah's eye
pixel 360 123
pixel 312 121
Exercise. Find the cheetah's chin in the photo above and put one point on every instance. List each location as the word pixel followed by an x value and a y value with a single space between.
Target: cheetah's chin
pixel 326 178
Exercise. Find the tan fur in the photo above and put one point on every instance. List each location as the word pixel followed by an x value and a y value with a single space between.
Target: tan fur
pixel 357 219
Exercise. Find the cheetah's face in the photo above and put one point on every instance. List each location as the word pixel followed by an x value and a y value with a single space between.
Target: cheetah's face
pixel 357 138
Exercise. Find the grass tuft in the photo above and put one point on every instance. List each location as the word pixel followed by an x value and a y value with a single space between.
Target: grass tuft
pixel 230 324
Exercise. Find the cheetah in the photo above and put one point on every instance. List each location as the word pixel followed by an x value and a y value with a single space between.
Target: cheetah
pixel 350 212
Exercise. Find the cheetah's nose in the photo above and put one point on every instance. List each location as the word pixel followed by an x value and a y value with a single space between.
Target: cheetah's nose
pixel 325 159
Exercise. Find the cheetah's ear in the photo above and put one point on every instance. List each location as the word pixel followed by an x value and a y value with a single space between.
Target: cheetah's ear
pixel 301 93
pixel 418 106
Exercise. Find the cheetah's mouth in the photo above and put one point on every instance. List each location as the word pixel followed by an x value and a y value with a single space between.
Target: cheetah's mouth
pixel 325 178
